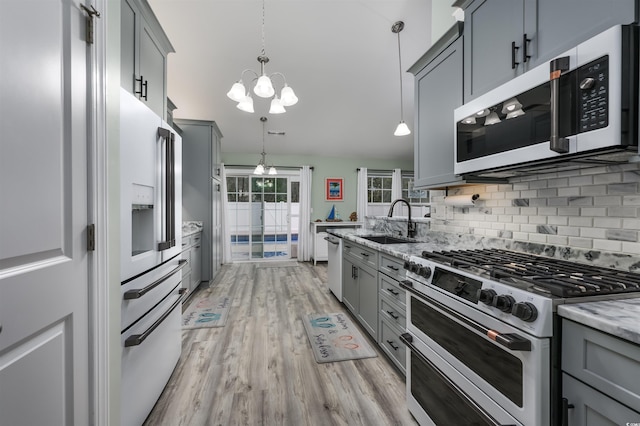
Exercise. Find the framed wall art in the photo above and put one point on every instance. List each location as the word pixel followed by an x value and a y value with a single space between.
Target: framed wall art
pixel 334 188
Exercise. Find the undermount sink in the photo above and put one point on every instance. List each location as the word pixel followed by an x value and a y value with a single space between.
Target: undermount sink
pixel 386 239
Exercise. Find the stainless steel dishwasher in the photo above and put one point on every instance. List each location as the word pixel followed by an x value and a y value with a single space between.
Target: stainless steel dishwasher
pixel 334 272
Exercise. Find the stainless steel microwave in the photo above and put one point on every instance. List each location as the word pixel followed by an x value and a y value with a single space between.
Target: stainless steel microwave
pixel 579 108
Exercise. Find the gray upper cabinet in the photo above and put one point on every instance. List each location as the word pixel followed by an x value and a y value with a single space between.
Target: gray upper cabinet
pixel 564 24
pixel 504 38
pixel 438 91
pixel 494 35
pixel 201 196
pixel 144 49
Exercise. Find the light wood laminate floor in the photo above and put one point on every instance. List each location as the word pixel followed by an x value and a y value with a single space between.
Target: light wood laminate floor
pixel 259 368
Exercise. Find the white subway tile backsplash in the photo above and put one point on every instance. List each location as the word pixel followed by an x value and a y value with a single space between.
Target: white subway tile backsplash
pixel 595 208
pixel 607 222
pixel 607 245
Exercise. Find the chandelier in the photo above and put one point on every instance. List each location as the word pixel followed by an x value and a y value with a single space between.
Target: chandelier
pixel 262 164
pixel 402 128
pixel 263 86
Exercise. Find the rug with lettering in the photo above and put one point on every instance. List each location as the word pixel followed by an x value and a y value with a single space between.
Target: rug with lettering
pixel 334 337
pixel 207 312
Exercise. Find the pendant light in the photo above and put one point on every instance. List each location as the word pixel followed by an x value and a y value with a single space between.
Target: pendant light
pixel 263 86
pixel 402 128
pixel 261 168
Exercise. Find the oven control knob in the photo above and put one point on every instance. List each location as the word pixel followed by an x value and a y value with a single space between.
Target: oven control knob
pixel 407 265
pixel 415 267
pixel 525 311
pixel 504 302
pixel 424 271
pixel 487 296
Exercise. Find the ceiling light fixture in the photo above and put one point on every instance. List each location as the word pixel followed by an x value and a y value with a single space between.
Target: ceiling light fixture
pixel 402 128
pixel 263 87
pixel 492 119
pixel 262 164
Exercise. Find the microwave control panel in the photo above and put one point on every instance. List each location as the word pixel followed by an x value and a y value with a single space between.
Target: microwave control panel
pixel 593 95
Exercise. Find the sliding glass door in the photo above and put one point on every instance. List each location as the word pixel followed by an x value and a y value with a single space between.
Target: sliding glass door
pixel 263 212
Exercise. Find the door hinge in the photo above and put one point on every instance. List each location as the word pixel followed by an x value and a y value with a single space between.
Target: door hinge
pixel 91 237
pixel 90 14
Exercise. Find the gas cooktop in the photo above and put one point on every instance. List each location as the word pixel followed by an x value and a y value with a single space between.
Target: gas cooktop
pixel 539 274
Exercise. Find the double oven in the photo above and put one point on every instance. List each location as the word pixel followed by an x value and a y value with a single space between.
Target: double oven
pixel 483 337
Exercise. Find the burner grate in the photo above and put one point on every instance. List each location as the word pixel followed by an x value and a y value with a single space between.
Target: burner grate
pixel 558 277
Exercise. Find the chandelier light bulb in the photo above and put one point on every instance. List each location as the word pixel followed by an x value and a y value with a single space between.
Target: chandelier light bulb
pixel 276 106
pixel 264 87
pixel 237 92
pixel 259 169
pixel 402 129
pixel 287 97
pixel 246 104
pixel 273 171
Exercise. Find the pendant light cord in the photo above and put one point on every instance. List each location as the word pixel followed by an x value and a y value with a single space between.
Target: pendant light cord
pixel 400 74
pixel 263 51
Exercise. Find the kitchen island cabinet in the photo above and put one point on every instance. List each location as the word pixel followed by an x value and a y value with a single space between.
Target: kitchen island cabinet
pixel 144 47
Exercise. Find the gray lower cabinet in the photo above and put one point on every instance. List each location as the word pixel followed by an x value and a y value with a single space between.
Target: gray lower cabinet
pixel 360 284
pixel 201 196
pixel 600 377
pixel 192 253
pixel 392 315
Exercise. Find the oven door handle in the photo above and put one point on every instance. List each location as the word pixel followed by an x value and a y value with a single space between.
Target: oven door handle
pixel 407 339
pixel 511 341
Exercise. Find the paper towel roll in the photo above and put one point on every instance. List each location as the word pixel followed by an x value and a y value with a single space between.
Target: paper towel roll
pixel 461 200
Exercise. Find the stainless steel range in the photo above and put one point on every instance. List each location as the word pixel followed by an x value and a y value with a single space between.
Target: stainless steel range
pixel 484 335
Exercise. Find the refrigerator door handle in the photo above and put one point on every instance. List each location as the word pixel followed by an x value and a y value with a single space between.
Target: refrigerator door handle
pixel 170 189
pixel 138 339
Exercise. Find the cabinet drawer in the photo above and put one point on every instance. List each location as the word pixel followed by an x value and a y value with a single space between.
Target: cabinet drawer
pixel 392 313
pixel 591 407
pixel 360 253
pixel 605 362
pixel 390 288
pixel 392 266
pixel 391 344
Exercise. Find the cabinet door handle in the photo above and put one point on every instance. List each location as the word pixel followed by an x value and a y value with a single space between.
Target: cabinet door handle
pixel 365 254
pixel 355 271
pixel 525 48
pixel 565 411
pixel 392 291
pixel 143 88
pixel 394 268
pixel 514 64
pixel 395 347
pixel 393 315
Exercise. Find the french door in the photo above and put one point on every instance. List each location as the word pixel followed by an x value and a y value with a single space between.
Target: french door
pixel 264 216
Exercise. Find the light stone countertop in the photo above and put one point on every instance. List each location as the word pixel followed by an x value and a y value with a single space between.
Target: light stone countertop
pixel 191 227
pixel 620 318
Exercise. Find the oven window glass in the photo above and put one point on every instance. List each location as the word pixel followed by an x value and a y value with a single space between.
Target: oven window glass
pixel 439 399
pixel 518 122
pixel 497 366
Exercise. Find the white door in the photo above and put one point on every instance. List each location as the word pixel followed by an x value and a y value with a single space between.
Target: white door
pixel 43 214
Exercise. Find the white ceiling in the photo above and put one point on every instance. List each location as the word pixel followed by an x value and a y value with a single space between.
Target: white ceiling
pixel 339 56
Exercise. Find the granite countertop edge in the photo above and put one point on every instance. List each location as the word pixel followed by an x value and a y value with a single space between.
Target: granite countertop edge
pixel 619 318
